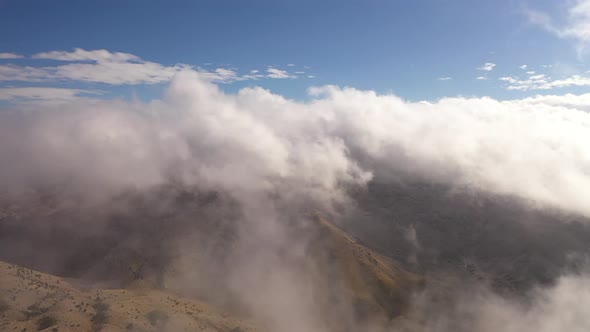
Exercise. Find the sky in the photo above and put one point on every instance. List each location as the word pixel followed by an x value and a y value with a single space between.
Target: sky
pixel 418 50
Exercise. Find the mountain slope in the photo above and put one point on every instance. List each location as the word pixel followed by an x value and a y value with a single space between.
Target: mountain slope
pixel 186 241
pixel 31 300
pixel 375 282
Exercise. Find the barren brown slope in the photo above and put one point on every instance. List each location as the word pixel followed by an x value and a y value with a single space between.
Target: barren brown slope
pixel 376 284
pixel 33 301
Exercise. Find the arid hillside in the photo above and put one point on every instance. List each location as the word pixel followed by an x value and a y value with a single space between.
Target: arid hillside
pixel 34 301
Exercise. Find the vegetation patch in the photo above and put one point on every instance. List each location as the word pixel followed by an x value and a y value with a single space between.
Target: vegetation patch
pixel 45 322
pixel 101 314
pixel 157 317
pixel 3 306
pixel 35 310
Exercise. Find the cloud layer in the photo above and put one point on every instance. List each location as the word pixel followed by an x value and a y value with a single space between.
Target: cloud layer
pixel 532 148
pixel 279 158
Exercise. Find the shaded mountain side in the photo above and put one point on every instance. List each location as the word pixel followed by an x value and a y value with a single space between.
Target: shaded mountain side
pixel 375 283
pixel 129 236
pixel 505 241
pixel 179 239
pixel 34 301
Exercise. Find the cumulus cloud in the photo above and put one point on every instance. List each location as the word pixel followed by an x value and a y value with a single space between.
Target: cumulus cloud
pixel 488 66
pixel 528 148
pixel 558 308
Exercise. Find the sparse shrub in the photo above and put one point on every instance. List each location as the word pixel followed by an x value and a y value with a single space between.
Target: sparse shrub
pixel 45 322
pixel 157 317
pixel 100 317
pixel 3 306
pixel 34 310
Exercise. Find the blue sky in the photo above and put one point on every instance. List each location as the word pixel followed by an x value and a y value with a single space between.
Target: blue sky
pixel 419 50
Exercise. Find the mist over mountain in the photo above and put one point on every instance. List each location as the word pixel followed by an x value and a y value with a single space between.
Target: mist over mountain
pixel 353 211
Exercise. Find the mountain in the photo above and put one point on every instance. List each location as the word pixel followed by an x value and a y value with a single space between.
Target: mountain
pixel 34 301
pixel 512 244
pixel 175 257
pixel 169 255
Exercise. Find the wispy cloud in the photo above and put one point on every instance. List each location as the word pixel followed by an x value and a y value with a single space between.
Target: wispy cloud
pixel 278 73
pixel 444 78
pixel 488 66
pixel 543 82
pixel 98 66
pixel 24 73
pixel 44 94
pixel 10 56
pixel 481 78
pixel 116 68
pixel 79 54
pixel 576 26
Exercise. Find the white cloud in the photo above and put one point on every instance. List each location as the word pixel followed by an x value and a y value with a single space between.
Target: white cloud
pixel 99 66
pixel 278 73
pixel 488 66
pixel 310 76
pixel 116 68
pixel 24 73
pixel 10 56
pixel 559 307
pixel 531 72
pixel 523 67
pixel 291 65
pixel 576 26
pixel 299 72
pixel 444 78
pixel 542 82
pixel 79 54
pixel 534 148
pixel 116 73
pixel 222 75
pixel 481 78
pixel 44 94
